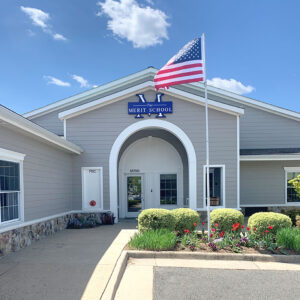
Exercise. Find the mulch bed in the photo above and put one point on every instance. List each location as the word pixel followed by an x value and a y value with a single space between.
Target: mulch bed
pixel 244 250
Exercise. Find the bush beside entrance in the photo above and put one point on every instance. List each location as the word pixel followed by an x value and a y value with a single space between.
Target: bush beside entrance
pixel 225 218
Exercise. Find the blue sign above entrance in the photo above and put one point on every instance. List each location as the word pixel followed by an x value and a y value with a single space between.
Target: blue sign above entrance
pixel 143 107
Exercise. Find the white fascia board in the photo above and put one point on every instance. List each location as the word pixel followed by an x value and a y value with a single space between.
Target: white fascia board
pixel 90 93
pixel 248 101
pixel 200 100
pixel 270 157
pixel 18 121
pixel 152 71
pixel 70 113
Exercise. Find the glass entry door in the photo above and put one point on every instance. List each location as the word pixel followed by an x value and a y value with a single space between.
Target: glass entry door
pixel 135 195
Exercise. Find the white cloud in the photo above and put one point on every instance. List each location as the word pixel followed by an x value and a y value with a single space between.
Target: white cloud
pixel 143 26
pixel 58 36
pixel 56 81
pixel 230 85
pixel 40 18
pixel 83 82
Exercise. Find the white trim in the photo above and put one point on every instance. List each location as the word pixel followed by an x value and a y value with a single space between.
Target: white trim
pixel 286 171
pixel 151 123
pixel 270 157
pixel 223 188
pixel 292 169
pixel 11 155
pixel 83 187
pixel 18 121
pixel 271 205
pixel 65 129
pixel 78 110
pixel 238 160
pixel 90 93
pixel 16 157
pixel 151 72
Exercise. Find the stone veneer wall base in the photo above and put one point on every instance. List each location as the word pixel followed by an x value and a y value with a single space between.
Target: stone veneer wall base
pixel 16 239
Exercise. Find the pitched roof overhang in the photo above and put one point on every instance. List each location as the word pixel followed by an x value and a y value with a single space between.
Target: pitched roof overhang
pixel 150 72
pixel 73 112
pixel 22 123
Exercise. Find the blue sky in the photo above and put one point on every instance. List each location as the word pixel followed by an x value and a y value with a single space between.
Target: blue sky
pixel 53 49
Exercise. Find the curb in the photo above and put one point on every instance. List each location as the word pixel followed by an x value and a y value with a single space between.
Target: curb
pixel 115 279
pixel 293 259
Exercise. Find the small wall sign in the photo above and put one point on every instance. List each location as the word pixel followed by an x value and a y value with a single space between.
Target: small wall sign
pixel 143 107
pixel 134 170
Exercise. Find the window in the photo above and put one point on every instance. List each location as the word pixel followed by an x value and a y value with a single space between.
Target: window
pixel 9 190
pixel 168 189
pixel 216 185
pixel 291 195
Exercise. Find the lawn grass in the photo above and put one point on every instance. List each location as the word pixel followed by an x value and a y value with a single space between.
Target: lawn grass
pixel 159 239
pixel 289 238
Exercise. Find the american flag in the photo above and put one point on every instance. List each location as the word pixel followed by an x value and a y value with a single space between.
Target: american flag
pixel 185 67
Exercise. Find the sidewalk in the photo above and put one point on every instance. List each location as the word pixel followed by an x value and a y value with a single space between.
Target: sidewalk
pixel 57 267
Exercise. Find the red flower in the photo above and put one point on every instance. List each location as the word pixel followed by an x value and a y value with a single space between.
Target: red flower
pixel 270 227
pixel 186 231
pixel 267 231
pixel 254 229
pixel 195 224
pixel 213 229
pixel 203 223
pixel 211 235
pixel 222 233
pixel 217 224
pixel 243 226
pixel 248 228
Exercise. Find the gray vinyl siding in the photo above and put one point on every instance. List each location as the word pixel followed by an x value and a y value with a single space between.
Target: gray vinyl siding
pixel 96 131
pixel 51 122
pixel 263 182
pixel 47 174
pixel 261 129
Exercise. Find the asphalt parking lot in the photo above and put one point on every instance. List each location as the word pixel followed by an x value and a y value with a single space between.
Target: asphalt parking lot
pixel 171 283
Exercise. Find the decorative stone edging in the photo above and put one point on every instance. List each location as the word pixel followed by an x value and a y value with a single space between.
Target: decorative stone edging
pixel 16 239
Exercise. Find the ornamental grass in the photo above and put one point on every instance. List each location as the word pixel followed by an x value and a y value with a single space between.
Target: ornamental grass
pixel 157 240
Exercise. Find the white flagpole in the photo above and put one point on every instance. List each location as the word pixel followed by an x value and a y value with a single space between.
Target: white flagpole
pixel 206 138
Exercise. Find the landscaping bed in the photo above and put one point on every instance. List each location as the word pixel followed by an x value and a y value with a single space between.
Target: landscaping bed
pixel 267 233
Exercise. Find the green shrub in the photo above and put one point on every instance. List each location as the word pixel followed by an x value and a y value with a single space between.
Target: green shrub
pixel 185 219
pixel 292 213
pixel 226 217
pixel 289 238
pixel 259 222
pixel 156 218
pixel 159 239
pixel 298 221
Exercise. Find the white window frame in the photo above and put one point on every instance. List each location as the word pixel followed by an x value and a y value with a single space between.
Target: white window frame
pixel 83 185
pixel 169 173
pixel 289 170
pixel 16 157
pixel 223 187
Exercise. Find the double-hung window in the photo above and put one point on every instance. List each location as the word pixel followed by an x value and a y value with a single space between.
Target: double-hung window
pixel 291 195
pixel 10 188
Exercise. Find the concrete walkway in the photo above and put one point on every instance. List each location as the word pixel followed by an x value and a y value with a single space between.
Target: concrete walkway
pixel 57 267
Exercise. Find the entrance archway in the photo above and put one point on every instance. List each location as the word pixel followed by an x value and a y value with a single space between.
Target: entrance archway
pixel 148 124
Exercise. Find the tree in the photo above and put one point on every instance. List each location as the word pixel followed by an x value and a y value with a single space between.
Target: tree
pixel 296 184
